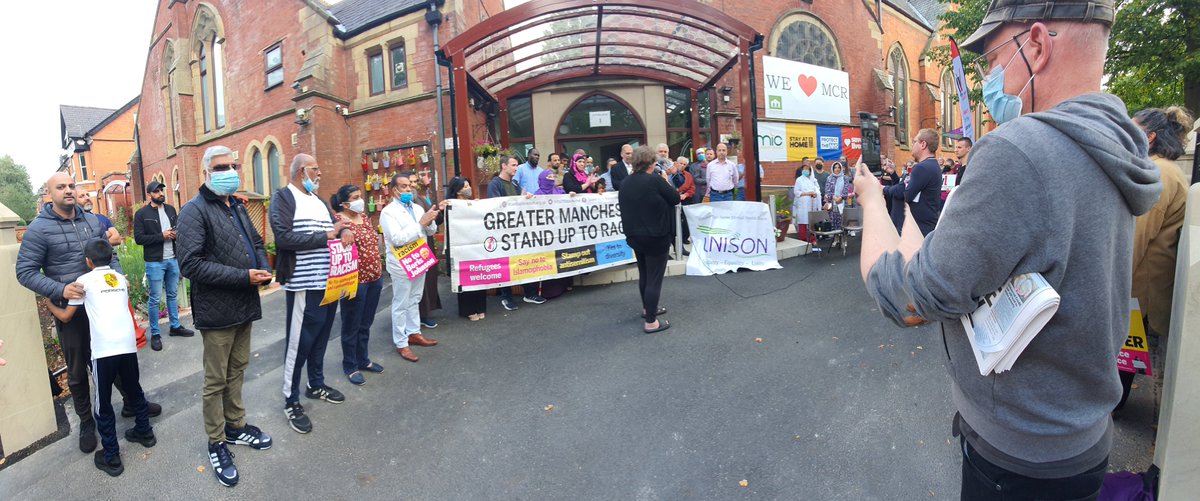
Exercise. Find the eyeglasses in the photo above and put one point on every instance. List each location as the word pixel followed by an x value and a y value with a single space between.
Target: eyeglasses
pixel 225 167
pixel 981 65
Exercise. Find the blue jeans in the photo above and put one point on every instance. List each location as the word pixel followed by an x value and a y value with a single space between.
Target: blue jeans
pixel 713 196
pixel 162 274
pixel 741 193
pixel 358 315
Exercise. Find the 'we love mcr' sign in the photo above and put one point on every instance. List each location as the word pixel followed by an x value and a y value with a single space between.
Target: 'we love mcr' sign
pixel 801 91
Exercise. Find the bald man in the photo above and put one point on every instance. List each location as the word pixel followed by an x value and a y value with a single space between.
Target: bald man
pixel 49 261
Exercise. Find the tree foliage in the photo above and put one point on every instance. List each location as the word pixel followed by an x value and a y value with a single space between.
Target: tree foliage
pixel 1153 57
pixel 15 191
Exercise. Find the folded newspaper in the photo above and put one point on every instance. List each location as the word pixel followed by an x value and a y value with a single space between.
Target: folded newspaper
pixel 1008 319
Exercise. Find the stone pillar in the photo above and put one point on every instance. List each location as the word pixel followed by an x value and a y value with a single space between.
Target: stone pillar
pixel 26 409
pixel 1178 449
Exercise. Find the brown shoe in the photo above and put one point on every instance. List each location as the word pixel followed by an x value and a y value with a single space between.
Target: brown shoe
pixel 407 354
pixel 420 340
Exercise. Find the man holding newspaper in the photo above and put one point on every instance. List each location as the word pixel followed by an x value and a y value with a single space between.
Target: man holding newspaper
pixel 1042 428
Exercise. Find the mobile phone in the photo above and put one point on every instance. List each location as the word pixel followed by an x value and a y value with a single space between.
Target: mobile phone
pixel 869 125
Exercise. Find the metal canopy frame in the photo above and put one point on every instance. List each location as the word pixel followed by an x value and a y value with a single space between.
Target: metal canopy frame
pixel 680 42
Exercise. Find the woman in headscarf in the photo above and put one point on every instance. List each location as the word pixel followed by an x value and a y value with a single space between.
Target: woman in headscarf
pixel 807 198
pixel 577 179
pixel 554 287
pixel 546 184
pixel 837 189
pixel 471 304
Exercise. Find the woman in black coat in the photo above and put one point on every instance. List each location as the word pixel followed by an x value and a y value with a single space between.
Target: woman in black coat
pixel 648 217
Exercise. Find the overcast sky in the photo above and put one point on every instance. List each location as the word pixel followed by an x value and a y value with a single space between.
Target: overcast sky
pixel 76 52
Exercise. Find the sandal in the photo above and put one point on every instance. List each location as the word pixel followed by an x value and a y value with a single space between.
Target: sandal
pixel 662 326
pixel 662 310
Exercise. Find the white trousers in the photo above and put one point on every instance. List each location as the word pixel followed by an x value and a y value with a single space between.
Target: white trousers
pixel 406 315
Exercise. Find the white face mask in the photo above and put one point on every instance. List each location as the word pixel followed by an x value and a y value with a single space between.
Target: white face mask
pixel 358 205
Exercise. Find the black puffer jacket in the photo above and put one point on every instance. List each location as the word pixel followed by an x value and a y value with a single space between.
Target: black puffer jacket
pixel 51 254
pixel 214 256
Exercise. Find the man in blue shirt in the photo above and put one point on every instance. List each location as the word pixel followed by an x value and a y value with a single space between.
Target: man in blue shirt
pixel 528 172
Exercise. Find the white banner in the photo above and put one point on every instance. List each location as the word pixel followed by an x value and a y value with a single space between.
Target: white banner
pixel 772 141
pixel 731 235
pixel 515 240
pixel 801 91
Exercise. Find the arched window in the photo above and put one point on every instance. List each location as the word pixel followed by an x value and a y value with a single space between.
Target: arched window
pixel 800 36
pixel 273 160
pixel 168 93
pixel 898 71
pixel 176 189
pixel 256 161
pixel 948 98
pixel 209 40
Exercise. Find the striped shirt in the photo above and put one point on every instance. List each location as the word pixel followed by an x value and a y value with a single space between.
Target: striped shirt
pixel 312 266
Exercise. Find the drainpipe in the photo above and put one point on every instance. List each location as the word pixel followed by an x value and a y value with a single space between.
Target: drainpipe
pixel 434 17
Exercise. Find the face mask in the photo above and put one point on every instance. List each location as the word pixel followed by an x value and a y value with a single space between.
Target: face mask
pixel 358 205
pixel 406 198
pixel 465 193
pixel 701 157
pixel 806 173
pixel 309 185
pixel 225 183
pixel 1003 107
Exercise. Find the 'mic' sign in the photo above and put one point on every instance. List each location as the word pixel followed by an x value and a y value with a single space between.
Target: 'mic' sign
pixel 801 91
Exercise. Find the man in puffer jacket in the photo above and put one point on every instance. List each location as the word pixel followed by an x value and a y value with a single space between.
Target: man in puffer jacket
pixel 49 261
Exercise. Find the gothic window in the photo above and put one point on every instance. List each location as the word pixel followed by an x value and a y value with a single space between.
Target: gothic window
pixel 209 43
pixel 898 71
pixel 948 93
pixel 802 37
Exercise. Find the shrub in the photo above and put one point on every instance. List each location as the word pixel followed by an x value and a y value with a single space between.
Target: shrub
pixel 134 265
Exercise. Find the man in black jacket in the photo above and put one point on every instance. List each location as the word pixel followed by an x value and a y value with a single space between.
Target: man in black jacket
pixel 154 230
pixel 222 253
pixel 49 261
pixel 623 168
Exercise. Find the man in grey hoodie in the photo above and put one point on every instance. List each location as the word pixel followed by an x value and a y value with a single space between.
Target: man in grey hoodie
pixel 1043 428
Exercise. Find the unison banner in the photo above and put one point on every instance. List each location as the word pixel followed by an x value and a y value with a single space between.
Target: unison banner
pixel 731 235
pixel 515 240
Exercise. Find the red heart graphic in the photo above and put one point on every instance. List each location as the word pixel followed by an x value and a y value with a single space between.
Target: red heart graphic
pixel 807 84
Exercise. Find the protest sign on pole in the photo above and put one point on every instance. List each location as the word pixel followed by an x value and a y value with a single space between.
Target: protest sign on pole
pixel 514 240
pixel 343 272
pixel 960 85
pixel 731 235
pixel 1135 355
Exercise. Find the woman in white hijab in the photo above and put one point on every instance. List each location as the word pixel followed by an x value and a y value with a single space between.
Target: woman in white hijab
pixel 807 192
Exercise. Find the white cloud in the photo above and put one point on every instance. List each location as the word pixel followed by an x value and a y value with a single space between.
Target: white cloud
pixel 76 52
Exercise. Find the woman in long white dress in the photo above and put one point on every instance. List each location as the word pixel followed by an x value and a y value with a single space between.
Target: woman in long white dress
pixel 807 193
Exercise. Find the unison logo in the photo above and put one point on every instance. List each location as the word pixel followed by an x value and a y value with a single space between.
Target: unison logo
pixel 720 240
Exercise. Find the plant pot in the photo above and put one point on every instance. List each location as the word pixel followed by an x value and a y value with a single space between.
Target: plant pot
pixel 783 226
pixel 271 260
pixel 734 142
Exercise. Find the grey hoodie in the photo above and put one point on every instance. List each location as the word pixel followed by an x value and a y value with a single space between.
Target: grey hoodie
pixel 1053 192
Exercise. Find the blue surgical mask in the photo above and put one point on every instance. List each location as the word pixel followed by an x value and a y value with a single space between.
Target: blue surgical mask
pixel 406 198
pixel 309 185
pixel 225 183
pixel 700 157
pixel 1003 107
pixel 806 173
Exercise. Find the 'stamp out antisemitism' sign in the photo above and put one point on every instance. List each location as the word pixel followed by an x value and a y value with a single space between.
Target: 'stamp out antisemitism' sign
pixel 514 240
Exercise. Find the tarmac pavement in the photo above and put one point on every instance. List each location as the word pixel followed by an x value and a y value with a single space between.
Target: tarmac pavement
pixel 789 379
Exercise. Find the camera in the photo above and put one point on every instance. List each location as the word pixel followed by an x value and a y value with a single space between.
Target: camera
pixel 869 125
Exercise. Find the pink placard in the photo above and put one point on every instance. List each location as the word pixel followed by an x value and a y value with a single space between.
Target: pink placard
pixel 483 272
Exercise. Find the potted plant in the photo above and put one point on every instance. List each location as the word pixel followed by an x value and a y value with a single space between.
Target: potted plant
pixel 734 139
pixel 270 248
pixel 783 218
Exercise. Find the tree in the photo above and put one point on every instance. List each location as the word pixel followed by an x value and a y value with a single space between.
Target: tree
pixel 15 191
pixel 1153 56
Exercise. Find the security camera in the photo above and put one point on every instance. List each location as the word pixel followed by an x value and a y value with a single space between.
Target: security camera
pixel 296 85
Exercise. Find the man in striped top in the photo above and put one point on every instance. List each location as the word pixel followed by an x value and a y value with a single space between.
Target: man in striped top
pixel 303 225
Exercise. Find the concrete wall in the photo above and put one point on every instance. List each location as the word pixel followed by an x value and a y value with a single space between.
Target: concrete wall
pixel 1178 445
pixel 26 410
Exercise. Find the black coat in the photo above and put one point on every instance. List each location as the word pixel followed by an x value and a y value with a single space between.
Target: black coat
pixel 51 253
pixel 214 256
pixel 147 232
pixel 287 242
pixel 647 206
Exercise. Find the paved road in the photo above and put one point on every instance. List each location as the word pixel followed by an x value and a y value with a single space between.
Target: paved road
pixel 833 403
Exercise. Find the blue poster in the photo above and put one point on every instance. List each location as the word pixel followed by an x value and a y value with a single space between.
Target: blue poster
pixel 829 142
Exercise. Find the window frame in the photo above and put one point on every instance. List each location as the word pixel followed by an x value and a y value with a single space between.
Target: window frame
pixel 83 167
pixel 899 68
pixel 391 50
pixel 202 60
pixel 948 91
pixel 268 69
pixel 372 54
pixel 218 82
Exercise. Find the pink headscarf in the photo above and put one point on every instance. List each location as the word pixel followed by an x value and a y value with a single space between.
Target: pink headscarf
pixel 580 175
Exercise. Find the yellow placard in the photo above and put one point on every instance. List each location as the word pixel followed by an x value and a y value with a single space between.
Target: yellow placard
pixel 801 141
pixel 345 286
pixel 529 266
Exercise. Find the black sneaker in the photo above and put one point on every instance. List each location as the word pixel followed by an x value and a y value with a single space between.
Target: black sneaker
pixel 222 464
pixel 146 439
pixel 296 418
pixel 112 467
pixel 87 436
pixel 249 435
pixel 181 331
pixel 152 409
pixel 535 299
pixel 429 324
pixel 156 343
pixel 325 393
pixel 508 304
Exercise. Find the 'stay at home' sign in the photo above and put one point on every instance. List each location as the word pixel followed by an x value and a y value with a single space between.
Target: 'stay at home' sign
pixel 801 91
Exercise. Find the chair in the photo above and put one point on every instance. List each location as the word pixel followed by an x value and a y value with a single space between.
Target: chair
pixel 820 216
pixel 852 224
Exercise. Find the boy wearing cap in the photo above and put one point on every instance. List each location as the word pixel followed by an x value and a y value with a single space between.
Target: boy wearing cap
pixel 154 230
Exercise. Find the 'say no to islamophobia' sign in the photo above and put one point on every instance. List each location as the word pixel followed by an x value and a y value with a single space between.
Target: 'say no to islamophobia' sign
pixel 513 240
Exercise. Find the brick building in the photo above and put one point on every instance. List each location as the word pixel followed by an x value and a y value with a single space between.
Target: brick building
pixel 352 82
pixel 97 146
